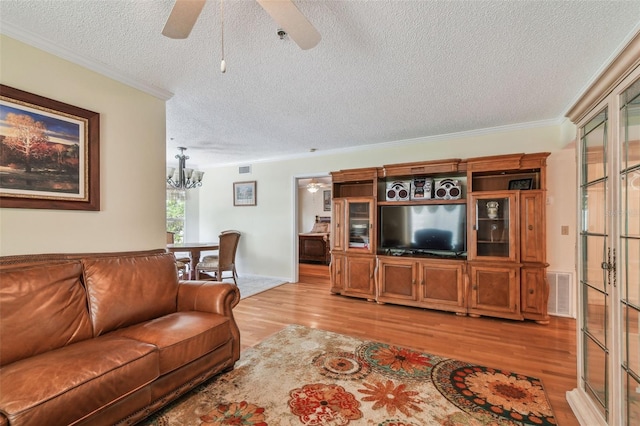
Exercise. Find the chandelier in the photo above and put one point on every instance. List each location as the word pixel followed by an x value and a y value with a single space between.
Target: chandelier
pixel 183 178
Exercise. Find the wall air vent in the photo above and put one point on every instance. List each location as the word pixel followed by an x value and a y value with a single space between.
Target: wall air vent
pixel 561 294
pixel 243 170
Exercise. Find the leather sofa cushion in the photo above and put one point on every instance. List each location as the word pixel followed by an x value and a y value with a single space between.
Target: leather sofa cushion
pixel 181 337
pixel 124 291
pixel 41 308
pixel 74 381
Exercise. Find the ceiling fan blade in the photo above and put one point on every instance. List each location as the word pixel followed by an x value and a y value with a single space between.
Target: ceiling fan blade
pixel 182 18
pixel 287 15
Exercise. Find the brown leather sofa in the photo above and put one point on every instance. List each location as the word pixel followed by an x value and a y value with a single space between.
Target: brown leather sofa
pixel 106 338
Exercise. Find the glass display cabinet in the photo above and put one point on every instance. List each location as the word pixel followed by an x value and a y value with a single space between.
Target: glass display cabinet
pixel 608 145
pixel 360 224
pixel 493 230
pixel 352 238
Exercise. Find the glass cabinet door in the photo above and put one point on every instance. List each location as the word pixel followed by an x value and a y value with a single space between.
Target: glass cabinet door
pixel 493 226
pixel 628 262
pixel 360 224
pixel 596 270
pixel 337 227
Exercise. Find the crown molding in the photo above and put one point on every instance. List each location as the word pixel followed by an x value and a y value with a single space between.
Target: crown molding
pixel 405 142
pixel 41 43
pixel 621 64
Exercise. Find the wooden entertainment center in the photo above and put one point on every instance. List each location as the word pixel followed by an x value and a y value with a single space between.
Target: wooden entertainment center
pixel 500 272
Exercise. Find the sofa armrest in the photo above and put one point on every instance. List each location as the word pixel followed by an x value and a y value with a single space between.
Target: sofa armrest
pixel 216 297
pixel 207 296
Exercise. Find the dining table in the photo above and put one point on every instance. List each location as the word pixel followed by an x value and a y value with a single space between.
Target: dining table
pixel 194 250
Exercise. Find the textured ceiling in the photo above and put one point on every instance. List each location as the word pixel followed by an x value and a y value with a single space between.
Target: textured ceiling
pixel 384 71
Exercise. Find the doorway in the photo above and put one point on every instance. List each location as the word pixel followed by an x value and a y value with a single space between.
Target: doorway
pixel 312 220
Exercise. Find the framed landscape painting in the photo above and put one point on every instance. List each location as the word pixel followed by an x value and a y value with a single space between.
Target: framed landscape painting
pixel 49 153
pixel 244 193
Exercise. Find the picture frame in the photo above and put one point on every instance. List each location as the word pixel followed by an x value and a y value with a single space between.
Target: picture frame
pixel 245 193
pixel 522 184
pixel 49 153
pixel 326 200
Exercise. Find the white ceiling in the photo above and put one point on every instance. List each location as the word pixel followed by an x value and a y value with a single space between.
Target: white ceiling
pixel 384 71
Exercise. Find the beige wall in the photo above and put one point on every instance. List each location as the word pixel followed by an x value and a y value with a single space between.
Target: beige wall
pixel 133 166
pixel 561 210
pixel 269 236
pixel 132 161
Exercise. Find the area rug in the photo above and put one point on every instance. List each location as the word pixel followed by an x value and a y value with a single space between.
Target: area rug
pixel 254 284
pixel 304 376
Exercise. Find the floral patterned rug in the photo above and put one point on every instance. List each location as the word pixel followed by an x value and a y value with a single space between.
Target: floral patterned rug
pixel 304 376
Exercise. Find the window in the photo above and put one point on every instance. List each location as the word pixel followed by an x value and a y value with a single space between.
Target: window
pixel 175 213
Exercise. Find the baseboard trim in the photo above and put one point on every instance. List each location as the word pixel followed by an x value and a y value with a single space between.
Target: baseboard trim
pixel 583 409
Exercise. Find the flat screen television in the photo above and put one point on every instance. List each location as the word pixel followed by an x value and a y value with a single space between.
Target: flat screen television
pixel 438 229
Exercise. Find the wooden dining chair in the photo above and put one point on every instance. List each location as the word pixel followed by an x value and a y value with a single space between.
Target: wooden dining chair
pixel 213 266
pixel 182 262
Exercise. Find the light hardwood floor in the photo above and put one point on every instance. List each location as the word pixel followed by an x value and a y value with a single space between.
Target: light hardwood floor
pixel 547 352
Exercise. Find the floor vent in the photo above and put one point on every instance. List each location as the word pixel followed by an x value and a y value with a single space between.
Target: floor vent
pixel 561 294
pixel 243 170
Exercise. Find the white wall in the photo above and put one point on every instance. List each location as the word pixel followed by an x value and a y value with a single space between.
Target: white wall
pixel 132 161
pixel 310 205
pixel 268 241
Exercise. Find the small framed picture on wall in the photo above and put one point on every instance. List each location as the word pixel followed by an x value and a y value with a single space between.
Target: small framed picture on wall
pixel 326 200
pixel 244 193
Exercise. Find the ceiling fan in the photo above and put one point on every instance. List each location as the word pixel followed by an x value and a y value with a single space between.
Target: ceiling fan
pixel 314 185
pixel 185 14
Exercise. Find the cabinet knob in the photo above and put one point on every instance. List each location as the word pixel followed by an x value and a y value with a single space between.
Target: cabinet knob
pixel 475 287
pixel 530 227
pixel 531 291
